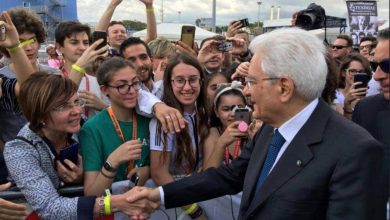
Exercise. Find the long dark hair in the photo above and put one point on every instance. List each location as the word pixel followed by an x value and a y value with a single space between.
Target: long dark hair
pixel 183 141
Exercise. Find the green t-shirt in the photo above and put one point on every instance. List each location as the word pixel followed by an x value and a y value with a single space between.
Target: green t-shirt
pixel 98 139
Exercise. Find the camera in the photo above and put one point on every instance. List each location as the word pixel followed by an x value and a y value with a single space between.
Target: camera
pixel 224 46
pixel 313 17
pixel 244 22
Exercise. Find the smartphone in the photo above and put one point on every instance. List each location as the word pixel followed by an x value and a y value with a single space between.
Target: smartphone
pixel 96 35
pixel 363 78
pixel 135 179
pixel 2 33
pixel 242 114
pixel 224 46
pixel 244 22
pixel 71 153
pixel 188 35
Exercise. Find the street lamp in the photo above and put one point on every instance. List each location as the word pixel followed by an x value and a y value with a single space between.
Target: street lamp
pixel 179 16
pixel 258 14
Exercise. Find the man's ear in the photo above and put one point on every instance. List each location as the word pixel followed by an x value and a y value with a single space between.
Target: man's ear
pixel 287 89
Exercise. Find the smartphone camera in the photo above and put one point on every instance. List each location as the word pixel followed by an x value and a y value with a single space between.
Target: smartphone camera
pixel 244 22
pixel 224 46
pixel 363 78
pixel 2 33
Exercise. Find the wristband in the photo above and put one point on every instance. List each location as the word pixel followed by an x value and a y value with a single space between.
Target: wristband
pixel 107 176
pixel 78 68
pixel 150 9
pixel 101 206
pixel 346 111
pixel 15 48
pixel 197 213
pixel 191 209
pixel 107 205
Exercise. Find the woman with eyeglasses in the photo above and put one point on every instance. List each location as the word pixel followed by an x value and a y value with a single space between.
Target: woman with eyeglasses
pixel 174 156
pixel 115 143
pixel 355 73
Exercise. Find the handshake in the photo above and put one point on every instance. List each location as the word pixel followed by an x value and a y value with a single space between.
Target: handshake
pixel 138 203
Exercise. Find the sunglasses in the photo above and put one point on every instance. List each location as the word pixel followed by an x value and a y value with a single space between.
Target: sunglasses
pixel 384 65
pixel 338 47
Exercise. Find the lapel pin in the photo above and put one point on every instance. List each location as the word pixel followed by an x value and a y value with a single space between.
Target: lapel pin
pixel 299 163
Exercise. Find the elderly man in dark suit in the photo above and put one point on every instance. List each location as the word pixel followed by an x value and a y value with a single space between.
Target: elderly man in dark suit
pixel 306 162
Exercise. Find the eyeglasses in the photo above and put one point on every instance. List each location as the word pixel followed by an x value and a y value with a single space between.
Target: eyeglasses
pixel 368 47
pixel 384 65
pixel 338 47
pixel 250 82
pixel 67 106
pixel 125 88
pixel 180 82
pixel 353 71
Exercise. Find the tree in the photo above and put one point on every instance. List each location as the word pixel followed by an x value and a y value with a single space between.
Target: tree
pixel 134 25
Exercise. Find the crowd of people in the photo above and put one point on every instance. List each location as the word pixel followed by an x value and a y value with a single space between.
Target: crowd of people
pixel 133 113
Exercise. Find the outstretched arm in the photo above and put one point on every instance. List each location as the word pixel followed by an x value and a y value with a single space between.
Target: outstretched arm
pixel 104 21
pixel 151 27
pixel 23 67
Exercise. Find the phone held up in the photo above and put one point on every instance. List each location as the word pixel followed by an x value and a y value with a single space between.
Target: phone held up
pixel 96 35
pixel 224 46
pixel 364 78
pixel 188 35
pixel 70 153
pixel 244 22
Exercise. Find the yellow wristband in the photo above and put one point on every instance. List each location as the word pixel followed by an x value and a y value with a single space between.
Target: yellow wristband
pixel 107 205
pixel 149 9
pixel 191 209
pixel 13 49
pixel 78 68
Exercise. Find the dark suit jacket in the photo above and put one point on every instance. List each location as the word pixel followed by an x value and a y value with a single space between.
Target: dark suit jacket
pixel 373 114
pixel 333 169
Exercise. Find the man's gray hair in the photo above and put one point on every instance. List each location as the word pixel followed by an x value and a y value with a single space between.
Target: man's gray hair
pixel 294 53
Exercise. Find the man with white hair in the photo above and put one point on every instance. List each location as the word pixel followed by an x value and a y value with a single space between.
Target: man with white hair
pixel 307 161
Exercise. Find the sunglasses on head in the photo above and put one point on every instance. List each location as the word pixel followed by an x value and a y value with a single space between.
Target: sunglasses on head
pixel 338 47
pixel 384 65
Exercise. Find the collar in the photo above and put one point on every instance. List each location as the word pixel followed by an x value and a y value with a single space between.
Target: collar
pixel 291 127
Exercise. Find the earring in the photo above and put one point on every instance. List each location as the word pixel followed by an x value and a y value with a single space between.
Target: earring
pixel 43 124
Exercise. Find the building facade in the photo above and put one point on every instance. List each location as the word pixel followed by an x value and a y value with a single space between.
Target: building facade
pixel 52 12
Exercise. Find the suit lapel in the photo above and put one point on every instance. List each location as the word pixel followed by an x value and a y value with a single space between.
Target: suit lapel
pixel 298 150
pixel 257 159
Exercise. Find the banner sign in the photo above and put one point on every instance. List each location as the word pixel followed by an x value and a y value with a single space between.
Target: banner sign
pixel 363 19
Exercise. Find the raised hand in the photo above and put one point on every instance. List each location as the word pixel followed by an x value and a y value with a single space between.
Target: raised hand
pixel 233 27
pixel 181 47
pixel 72 174
pixel 11 34
pixel 239 46
pixel 90 54
pixel 91 100
pixel 170 118
pixel 115 2
pixel 241 71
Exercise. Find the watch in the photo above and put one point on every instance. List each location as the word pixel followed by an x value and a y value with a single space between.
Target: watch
pixel 108 166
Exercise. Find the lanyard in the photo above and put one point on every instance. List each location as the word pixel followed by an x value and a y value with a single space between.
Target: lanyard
pixel 118 130
pixel 195 130
pixel 237 146
pixel 87 87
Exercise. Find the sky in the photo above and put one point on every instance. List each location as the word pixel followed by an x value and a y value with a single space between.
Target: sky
pixel 227 10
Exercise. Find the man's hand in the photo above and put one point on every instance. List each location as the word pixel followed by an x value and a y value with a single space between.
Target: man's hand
pixel 12 36
pixel 233 27
pixel 90 54
pixel 170 118
pixel 240 46
pixel 136 204
pixel 141 193
pixel 9 210
pixel 181 47
pixel 73 174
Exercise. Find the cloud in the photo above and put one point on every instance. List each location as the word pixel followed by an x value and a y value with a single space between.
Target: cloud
pixel 90 10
